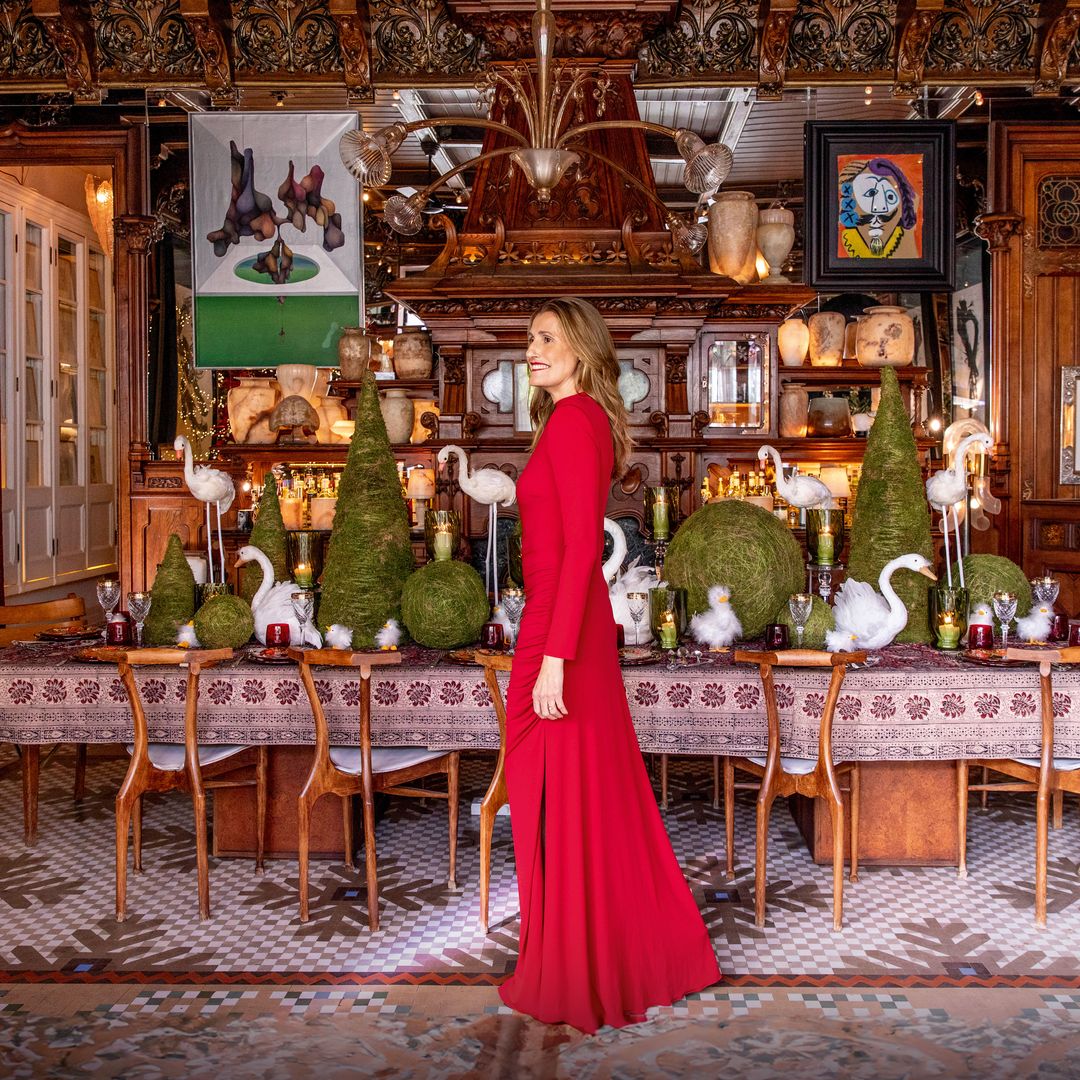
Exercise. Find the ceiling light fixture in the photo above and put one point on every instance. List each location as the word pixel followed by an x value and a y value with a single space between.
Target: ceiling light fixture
pixel 545 152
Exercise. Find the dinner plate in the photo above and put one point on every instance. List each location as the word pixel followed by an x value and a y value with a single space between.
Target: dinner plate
pixel 989 658
pixel 632 656
pixel 69 633
pixel 270 655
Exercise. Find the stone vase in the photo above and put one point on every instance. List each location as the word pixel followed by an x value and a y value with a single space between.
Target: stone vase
pixel 826 338
pixel 794 404
pixel 885 337
pixel 733 219
pixel 775 237
pixel 250 404
pixel 297 379
pixel 412 354
pixel 397 410
pixel 355 349
pixel 793 339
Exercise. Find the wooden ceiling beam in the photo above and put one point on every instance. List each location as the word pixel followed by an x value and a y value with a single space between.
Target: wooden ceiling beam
pixel 776 18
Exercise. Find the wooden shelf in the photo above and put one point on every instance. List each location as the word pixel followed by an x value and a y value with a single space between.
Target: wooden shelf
pixel 387 384
pixel 848 375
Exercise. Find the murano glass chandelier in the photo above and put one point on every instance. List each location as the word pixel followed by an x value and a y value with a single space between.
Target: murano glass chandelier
pixel 544 152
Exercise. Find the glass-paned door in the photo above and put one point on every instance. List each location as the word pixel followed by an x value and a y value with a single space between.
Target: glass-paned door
pixel 101 495
pixel 9 478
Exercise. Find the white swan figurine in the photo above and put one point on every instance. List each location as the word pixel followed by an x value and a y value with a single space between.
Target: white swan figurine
pixel 718 626
pixel 614 562
pixel 209 486
pixel 948 487
pixel 489 486
pixel 273 603
pixel 805 492
pixel 635 579
pixel 866 620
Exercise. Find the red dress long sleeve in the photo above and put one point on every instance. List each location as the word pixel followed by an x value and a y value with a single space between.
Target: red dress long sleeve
pixel 609 926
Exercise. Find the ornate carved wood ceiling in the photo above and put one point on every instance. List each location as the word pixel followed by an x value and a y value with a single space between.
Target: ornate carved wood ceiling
pixel 86 48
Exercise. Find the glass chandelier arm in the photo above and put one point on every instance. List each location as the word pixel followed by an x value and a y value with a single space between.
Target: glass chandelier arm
pixel 438 182
pixel 596 125
pixel 521 90
pixel 567 100
pixel 628 176
pixel 466 121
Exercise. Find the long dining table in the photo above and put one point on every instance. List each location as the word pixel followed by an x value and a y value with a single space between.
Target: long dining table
pixel 912 704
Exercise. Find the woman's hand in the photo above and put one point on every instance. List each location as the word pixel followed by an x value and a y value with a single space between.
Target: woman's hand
pixel 547 690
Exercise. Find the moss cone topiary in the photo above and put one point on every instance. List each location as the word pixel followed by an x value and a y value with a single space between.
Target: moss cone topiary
pixel 370 556
pixel 740 545
pixel 444 604
pixel 269 537
pixel 172 596
pixel 985 575
pixel 892 516
pixel 821 622
pixel 224 622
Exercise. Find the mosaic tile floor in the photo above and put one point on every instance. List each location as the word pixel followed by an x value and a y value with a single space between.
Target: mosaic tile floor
pixel 903 927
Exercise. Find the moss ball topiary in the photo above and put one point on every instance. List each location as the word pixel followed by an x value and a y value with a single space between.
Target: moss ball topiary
pixel 985 575
pixel 172 596
pixel 740 545
pixel 821 621
pixel 444 604
pixel 224 622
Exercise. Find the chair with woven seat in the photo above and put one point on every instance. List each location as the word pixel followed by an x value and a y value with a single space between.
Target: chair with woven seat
pixel 1047 775
pixel 361 770
pixel 161 767
pixel 781 775
pixel 19 621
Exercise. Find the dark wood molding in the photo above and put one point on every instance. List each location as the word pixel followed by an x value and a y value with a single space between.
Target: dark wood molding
pixel 1058 44
pixel 772 51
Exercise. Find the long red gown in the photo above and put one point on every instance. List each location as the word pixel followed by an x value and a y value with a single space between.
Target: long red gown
pixel 609 926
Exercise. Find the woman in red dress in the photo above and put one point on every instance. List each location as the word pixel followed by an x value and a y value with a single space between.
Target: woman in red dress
pixel 609 926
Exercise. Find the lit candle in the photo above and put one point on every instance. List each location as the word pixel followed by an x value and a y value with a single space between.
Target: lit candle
pixel 444 542
pixel 825 545
pixel 948 631
pixel 660 525
pixel 669 636
pixel 303 575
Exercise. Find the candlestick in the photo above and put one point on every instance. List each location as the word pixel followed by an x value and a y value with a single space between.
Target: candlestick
pixel 444 543
pixel 669 635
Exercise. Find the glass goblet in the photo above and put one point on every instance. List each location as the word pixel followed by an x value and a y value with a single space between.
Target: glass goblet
pixel 1004 604
pixel 108 596
pixel 513 604
pixel 303 604
pixel 800 605
pixel 138 609
pixel 1045 589
pixel 638 604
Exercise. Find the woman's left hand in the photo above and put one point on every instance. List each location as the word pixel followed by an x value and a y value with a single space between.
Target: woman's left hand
pixel 547 690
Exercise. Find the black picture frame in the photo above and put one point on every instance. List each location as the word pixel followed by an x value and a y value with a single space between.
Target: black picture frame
pixel 842 259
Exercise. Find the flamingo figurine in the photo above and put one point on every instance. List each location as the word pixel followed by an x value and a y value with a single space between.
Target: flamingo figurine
pixel 208 486
pixel 489 486
pixel 805 492
pixel 948 487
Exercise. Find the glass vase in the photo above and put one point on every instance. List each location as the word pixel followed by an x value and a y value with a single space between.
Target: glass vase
pixel 667 615
pixel 304 556
pixel 948 613
pixel 824 535
pixel 442 534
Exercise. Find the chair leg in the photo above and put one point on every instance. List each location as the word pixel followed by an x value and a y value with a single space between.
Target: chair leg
pixel 663 781
pixel 1059 800
pixel 31 780
pixel 198 800
pixel 136 829
pixel 836 809
pixel 123 824
pixel 716 782
pixel 729 815
pixel 369 858
pixel 985 791
pixel 308 798
pixel 262 767
pixel 961 815
pixel 452 771
pixel 346 821
pixel 854 797
pixel 487 824
pixel 764 809
pixel 1042 838
pixel 80 771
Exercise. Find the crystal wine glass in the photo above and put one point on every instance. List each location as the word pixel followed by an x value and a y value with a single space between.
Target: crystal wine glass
pixel 303 603
pixel 800 605
pixel 1005 612
pixel 108 596
pixel 1045 589
pixel 638 603
pixel 138 609
pixel 513 603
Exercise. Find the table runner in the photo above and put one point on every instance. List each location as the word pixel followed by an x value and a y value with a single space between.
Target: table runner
pixel 915 704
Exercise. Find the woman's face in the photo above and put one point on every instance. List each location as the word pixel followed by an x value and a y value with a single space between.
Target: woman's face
pixel 552 363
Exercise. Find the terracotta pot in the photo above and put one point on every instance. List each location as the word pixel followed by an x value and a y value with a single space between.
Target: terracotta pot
pixel 397 410
pixel 826 338
pixel 794 401
pixel 885 337
pixel 732 235
pixel 793 339
pixel 355 349
pixel 775 237
pixel 829 417
pixel 250 405
pixel 412 354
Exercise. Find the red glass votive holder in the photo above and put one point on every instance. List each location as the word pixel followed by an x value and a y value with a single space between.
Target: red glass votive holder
pixel 1059 626
pixel 980 636
pixel 620 636
pixel 776 636
pixel 277 633
pixel 1074 631
pixel 117 632
pixel 491 635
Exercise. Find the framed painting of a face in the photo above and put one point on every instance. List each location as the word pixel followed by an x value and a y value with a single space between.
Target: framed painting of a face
pixel 879 205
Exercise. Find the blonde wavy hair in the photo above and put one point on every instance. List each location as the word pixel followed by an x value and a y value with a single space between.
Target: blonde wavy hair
pixel 597 374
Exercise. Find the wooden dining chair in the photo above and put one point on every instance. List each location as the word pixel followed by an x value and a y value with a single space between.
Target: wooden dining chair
pixel 160 767
pixel 361 770
pixel 780 775
pixel 496 796
pixel 18 621
pixel 1047 775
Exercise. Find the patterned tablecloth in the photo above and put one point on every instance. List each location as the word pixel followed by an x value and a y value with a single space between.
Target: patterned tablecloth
pixel 914 704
